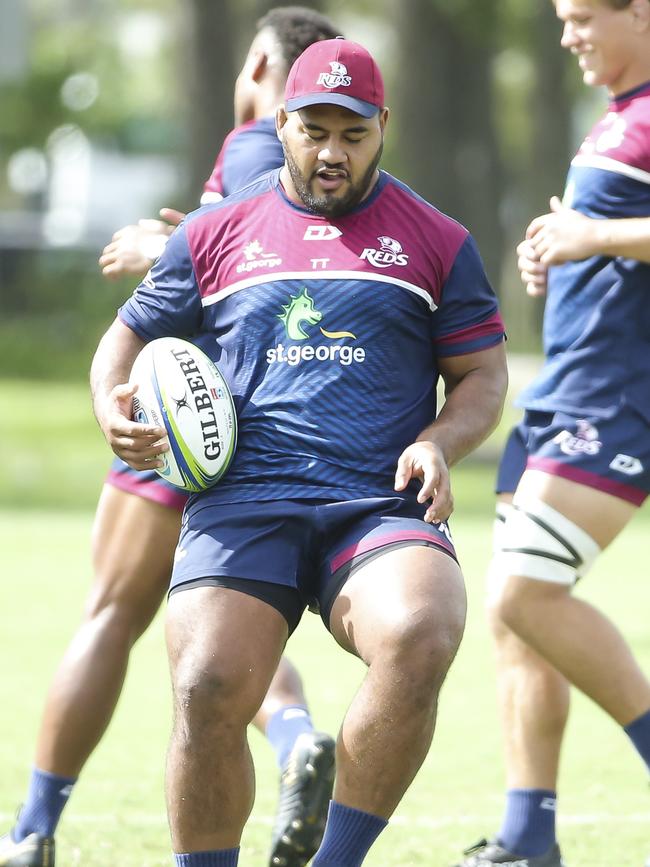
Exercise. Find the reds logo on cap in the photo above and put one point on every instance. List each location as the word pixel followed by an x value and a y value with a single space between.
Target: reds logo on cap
pixel 338 77
pixel 353 80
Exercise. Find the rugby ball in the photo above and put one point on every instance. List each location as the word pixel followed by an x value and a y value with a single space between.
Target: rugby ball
pixel 181 389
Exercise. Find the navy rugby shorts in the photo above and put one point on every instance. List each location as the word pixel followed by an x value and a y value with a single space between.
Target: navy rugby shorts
pixel 610 453
pixel 146 484
pixel 295 554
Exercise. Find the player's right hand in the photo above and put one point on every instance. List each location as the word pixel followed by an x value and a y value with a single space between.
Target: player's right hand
pixel 533 272
pixel 140 445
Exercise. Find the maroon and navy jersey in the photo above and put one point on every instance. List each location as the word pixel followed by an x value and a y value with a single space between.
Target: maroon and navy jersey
pixel 248 152
pixel 597 317
pixel 328 331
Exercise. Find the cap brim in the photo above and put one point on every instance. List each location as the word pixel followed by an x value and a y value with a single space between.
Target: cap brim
pixel 358 106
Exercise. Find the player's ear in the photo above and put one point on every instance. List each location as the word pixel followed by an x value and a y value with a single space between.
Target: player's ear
pixel 260 65
pixel 384 114
pixel 281 117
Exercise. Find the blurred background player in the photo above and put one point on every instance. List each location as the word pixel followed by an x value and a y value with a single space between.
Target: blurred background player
pixel 579 463
pixel 136 530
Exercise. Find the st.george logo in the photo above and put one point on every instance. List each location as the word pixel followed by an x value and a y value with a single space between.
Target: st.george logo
pixel 337 77
pixel 299 315
pixel 255 257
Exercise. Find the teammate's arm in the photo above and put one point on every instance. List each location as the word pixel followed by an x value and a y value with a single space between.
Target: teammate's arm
pixel 137 444
pixel 565 234
pixel 134 249
pixel 475 389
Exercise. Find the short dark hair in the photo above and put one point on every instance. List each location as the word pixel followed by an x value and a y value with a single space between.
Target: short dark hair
pixel 296 28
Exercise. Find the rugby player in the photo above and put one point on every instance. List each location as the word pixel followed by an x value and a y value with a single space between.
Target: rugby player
pixel 136 530
pixel 577 468
pixel 339 490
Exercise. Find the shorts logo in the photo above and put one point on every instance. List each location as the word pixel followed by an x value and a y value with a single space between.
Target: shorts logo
pixel 389 253
pixel 337 77
pixel 627 465
pixel 322 233
pixel 256 258
pixel 584 442
pixel 301 313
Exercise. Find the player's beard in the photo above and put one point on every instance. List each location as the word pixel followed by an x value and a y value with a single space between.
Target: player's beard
pixel 328 204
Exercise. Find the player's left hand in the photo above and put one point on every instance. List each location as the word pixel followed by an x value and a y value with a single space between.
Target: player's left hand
pixel 562 235
pixel 425 461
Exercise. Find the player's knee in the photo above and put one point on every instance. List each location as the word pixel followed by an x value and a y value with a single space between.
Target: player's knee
pixel 539 543
pixel 211 691
pixel 423 645
pixel 121 613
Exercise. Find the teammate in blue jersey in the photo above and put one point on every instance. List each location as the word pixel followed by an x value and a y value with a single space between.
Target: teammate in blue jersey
pixel 136 530
pixel 579 463
pixel 333 298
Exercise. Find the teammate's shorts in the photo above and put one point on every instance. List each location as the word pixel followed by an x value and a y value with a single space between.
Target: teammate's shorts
pixel 146 484
pixel 295 554
pixel 610 453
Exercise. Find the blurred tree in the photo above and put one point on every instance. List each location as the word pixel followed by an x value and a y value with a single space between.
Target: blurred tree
pixel 211 49
pixel 443 105
pixel 536 87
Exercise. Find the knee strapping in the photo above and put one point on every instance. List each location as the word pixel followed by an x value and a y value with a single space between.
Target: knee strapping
pixel 536 541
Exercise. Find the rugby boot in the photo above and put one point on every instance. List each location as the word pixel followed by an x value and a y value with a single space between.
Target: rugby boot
pixel 305 792
pixel 34 851
pixel 486 853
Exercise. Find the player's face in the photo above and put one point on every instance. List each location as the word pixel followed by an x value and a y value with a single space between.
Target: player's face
pixel 331 156
pixel 600 36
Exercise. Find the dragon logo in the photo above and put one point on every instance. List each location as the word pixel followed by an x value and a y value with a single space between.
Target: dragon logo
pixel 301 309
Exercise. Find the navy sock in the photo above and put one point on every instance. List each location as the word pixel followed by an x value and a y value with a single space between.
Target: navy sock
pixel 284 727
pixel 639 733
pixel 215 858
pixel 46 797
pixel 528 827
pixel 349 834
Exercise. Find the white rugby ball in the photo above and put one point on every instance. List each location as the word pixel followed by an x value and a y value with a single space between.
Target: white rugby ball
pixel 181 389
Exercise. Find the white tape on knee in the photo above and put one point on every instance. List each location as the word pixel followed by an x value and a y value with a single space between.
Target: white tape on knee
pixel 539 542
pixel 495 578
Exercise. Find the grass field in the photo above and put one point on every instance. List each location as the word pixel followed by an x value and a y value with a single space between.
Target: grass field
pixel 116 815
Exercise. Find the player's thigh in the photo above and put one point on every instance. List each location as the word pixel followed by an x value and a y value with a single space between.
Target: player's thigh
pixel 402 595
pixel 601 515
pixel 134 540
pixel 223 644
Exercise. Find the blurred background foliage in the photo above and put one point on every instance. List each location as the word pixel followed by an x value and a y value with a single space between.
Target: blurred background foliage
pixel 110 110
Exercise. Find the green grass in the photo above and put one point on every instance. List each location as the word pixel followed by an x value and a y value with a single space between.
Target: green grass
pixel 116 815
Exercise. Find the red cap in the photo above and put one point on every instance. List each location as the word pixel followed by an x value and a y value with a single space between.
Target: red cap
pixel 338 72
